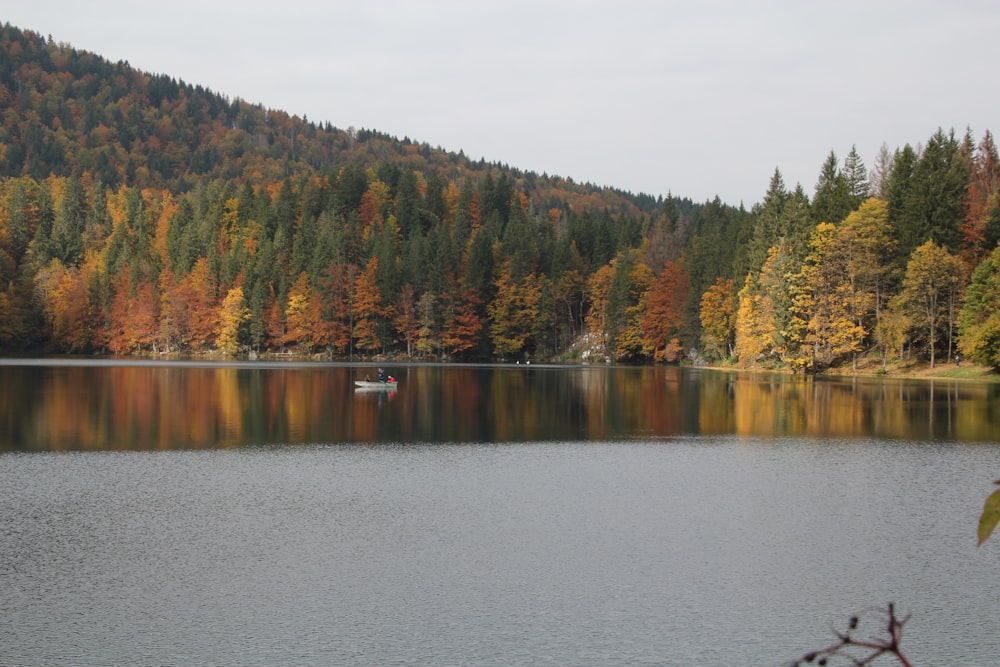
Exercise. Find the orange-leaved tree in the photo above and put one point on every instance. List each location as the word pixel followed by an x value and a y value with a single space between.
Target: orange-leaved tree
pixel 367 307
pixel 197 297
pixel 463 324
pixel 663 316
pixel 335 292
pixel 134 317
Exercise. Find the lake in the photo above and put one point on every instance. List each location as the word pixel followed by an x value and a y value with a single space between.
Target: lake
pixel 263 514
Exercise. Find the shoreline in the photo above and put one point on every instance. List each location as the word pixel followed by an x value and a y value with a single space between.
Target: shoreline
pixel 919 370
pixel 966 370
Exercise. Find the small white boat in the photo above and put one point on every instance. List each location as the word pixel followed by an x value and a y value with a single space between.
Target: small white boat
pixel 376 384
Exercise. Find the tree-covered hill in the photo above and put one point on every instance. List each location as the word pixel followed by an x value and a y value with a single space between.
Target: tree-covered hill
pixel 70 111
pixel 140 214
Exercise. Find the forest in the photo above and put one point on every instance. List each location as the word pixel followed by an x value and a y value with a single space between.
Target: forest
pixel 144 215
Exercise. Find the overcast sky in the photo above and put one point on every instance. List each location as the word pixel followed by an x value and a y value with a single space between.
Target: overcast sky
pixel 695 98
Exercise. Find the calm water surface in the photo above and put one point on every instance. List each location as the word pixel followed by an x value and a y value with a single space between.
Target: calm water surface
pixel 237 515
pixel 93 405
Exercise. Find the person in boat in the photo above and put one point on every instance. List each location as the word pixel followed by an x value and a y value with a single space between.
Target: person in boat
pixel 381 375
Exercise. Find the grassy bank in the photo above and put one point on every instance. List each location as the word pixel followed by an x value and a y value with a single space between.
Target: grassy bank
pixel 904 369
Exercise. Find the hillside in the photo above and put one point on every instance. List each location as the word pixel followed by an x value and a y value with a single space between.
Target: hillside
pixel 75 111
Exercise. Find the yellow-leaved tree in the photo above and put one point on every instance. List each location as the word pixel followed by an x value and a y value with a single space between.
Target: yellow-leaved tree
pixel 718 319
pixel 822 302
pixel 764 318
pixel 931 292
pixel 513 311
pixel 300 317
pixel 232 317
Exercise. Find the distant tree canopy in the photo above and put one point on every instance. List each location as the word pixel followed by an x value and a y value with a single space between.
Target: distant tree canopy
pixel 140 214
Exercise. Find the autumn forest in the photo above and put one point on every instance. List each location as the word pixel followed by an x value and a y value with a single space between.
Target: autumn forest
pixel 144 215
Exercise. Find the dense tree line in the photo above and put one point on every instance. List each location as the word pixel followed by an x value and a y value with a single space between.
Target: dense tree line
pixel 139 214
pixel 383 260
pixel 878 264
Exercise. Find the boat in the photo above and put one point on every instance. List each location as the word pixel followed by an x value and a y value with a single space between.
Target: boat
pixel 376 384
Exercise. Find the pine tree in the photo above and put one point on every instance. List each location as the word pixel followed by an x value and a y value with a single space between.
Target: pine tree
pixel 898 187
pixel 69 223
pixel 766 225
pixel 856 177
pixel 933 207
pixel 833 198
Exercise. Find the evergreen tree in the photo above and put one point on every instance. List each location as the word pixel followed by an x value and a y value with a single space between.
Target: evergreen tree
pixel 348 189
pixel 285 213
pixel 795 223
pixel 580 228
pixel 435 207
pixel 713 245
pixel 605 247
pixel 444 260
pixel 833 199
pixel 519 244
pixel 766 228
pixel 478 265
pixel 498 198
pixel 98 224
pixel 933 207
pixel 408 204
pixel 991 234
pixel 41 249
pixel 303 244
pixel 897 187
pixel 69 223
pixel 24 217
pixel 856 177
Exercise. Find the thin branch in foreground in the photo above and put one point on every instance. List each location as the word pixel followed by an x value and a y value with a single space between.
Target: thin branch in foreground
pixel 861 652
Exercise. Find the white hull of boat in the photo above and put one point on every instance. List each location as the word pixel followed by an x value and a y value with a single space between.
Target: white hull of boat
pixel 369 384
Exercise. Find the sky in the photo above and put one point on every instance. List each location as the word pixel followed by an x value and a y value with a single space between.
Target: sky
pixel 695 99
